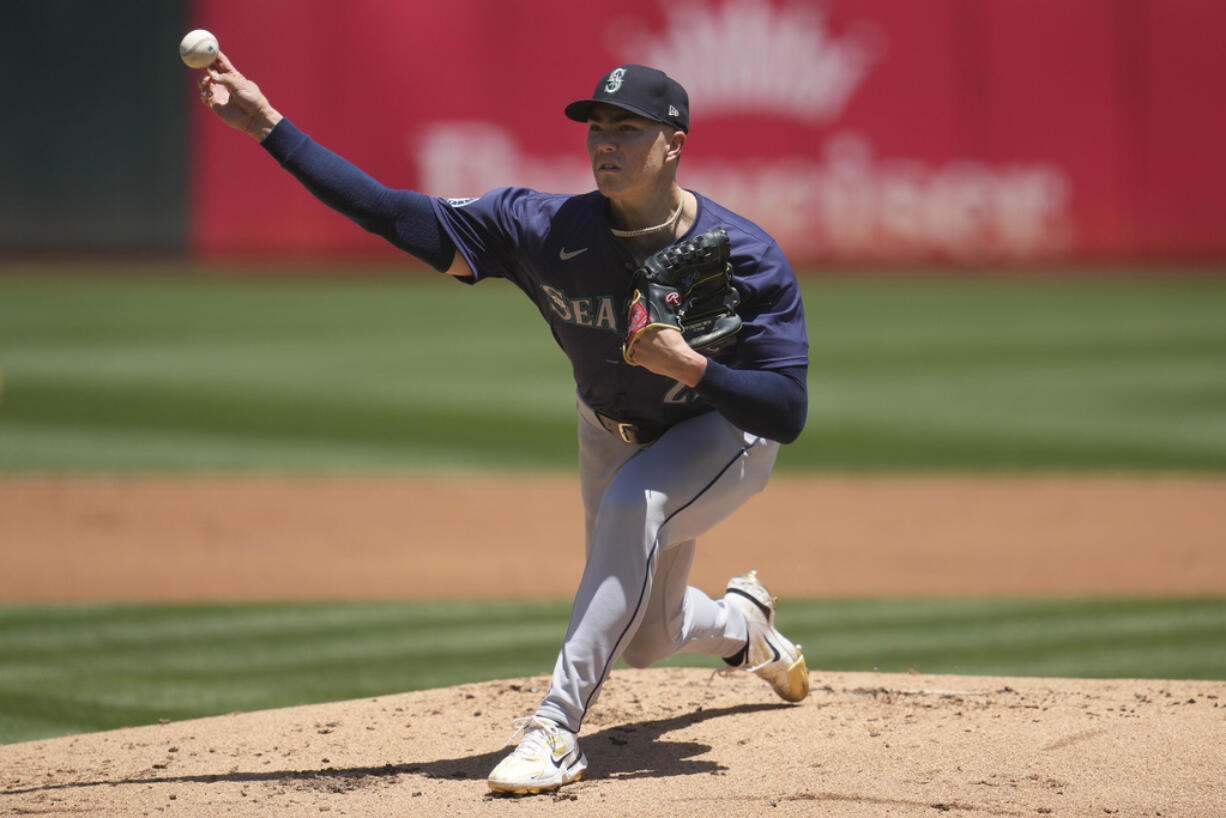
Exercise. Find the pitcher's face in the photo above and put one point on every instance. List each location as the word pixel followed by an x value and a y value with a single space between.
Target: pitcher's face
pixel 630 153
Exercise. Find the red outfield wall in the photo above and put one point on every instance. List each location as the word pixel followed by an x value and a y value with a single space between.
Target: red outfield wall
pixel 976 131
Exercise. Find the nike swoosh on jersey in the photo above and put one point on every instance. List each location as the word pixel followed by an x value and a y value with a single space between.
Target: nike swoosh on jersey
pixel 567 256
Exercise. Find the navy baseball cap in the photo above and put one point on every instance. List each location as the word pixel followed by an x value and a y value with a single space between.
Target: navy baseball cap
pixel 643 91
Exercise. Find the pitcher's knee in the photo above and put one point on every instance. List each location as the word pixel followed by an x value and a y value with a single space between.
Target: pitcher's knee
pixel 641 656
pixel 649 647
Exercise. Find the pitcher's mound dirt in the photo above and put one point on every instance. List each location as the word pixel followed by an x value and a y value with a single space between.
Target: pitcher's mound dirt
pixel 671 742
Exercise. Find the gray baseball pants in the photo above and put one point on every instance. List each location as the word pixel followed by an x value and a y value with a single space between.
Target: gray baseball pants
pixel 645 506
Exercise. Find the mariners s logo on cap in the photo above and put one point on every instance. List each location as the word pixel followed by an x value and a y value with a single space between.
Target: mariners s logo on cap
pixel 616 76
pixel 641 90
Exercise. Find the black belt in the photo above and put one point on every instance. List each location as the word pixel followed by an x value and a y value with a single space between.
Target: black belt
pixel 630 432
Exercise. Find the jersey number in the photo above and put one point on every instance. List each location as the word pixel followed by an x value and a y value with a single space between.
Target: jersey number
pixel 680 394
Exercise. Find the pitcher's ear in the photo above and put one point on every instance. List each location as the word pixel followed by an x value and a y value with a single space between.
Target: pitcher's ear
pixel 676 142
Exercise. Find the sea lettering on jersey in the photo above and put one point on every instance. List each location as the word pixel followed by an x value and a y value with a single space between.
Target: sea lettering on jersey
pixel 597 312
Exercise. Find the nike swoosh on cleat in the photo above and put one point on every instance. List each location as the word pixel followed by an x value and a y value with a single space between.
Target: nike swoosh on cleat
pixel 567 256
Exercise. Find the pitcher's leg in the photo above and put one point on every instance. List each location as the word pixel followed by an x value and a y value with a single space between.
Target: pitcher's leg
pixel 693 477
pixel 609 604
pixel 681 618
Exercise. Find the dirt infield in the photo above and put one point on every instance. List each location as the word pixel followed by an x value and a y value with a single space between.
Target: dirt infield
pixel 446 537
pixel 661 742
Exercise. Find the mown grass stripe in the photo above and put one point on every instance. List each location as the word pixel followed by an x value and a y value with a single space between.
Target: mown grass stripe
pixel 93 667
pixel 113 628
pixel 176 373
pixel 1147 638
pixel 934 616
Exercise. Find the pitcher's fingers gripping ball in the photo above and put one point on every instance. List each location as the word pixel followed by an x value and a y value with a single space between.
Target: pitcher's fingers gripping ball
pixel 198 49
pixel 686 286
pixel 235 99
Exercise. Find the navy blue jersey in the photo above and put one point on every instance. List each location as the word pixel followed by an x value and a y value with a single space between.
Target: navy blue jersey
pixel 559 250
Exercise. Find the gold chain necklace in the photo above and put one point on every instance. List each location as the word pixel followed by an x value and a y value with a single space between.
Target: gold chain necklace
pixel 629 234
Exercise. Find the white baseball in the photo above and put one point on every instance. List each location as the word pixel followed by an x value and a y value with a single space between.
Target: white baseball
pixel 198 49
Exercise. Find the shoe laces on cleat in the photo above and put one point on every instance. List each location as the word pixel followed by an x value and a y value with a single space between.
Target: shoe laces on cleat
pixel 533 735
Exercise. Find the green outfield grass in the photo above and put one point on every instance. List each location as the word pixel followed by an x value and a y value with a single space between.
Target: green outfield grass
pixel 175 373
pixel 86 668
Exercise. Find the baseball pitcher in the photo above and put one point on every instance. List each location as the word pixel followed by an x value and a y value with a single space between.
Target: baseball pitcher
pixel 684 326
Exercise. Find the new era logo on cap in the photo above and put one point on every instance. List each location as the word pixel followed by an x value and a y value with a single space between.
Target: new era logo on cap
pixel 639 89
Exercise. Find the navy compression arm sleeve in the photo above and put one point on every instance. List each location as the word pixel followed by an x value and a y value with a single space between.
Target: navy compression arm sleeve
pixel 772 403
pixel 403 217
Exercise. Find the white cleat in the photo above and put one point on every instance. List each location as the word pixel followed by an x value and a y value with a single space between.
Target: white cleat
pixel 770 655
pixel 547 757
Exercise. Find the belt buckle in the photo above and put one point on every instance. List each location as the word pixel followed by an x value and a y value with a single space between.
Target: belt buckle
pixel 628 432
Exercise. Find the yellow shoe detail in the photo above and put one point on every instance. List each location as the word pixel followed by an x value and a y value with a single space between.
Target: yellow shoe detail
pixel 798 680
pixel 769 653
